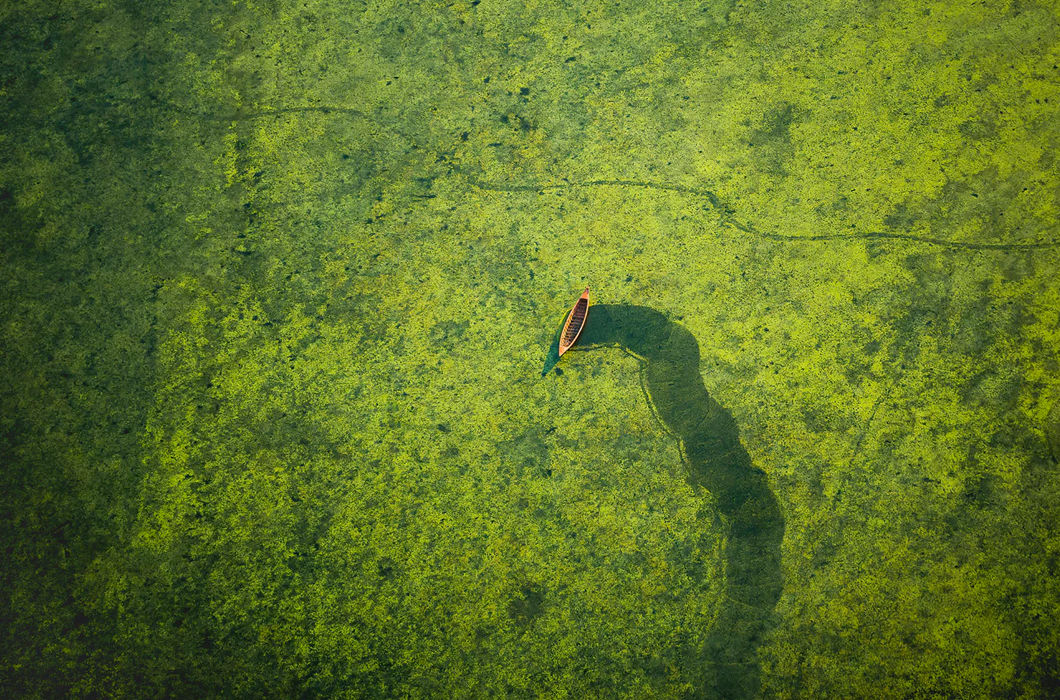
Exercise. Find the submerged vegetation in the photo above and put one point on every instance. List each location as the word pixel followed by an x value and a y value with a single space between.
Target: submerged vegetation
pixel 280 277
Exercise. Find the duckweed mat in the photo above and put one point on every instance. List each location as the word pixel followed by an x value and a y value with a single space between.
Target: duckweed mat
pixel 280 279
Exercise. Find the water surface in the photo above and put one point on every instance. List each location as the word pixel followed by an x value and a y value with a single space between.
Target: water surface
pixel 280 279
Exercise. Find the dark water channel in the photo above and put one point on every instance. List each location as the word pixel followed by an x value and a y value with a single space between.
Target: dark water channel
pixel 716 462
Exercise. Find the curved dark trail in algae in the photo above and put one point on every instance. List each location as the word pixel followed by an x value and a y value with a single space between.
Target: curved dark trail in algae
pixel 669 354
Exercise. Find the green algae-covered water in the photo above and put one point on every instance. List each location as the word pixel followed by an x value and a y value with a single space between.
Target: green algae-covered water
pixel 280 279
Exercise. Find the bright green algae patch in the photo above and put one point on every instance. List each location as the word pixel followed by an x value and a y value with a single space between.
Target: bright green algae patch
pixel 281 279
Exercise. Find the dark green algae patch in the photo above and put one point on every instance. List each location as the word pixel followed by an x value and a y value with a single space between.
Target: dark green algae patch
pixel 277 282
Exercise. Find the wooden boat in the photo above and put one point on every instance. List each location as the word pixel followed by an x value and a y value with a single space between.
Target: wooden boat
pixel 572 327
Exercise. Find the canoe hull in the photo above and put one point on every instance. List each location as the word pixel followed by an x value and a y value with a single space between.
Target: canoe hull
pixel 576 318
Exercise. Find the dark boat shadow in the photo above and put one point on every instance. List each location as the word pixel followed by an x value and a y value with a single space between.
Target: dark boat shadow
pixel 727 666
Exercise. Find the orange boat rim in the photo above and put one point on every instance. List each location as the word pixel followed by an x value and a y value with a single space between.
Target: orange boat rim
pixel 576 318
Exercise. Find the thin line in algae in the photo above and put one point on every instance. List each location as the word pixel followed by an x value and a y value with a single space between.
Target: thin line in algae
pixel 727 220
